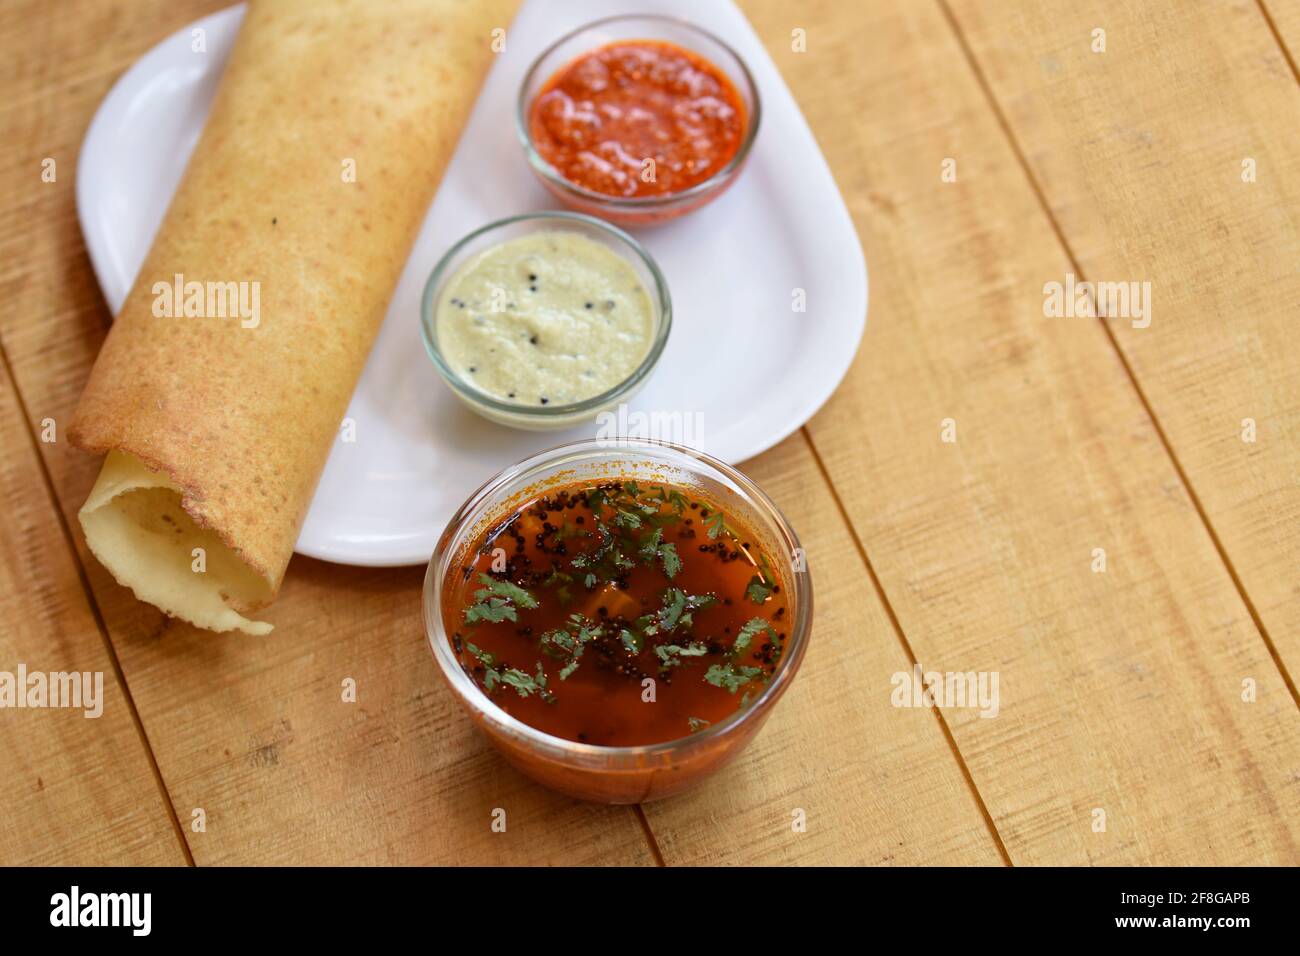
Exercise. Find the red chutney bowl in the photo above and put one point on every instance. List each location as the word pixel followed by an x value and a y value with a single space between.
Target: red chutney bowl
pixel 599 99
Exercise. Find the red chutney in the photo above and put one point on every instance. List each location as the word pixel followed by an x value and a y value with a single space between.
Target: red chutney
pixel 617 614
pixel 598 119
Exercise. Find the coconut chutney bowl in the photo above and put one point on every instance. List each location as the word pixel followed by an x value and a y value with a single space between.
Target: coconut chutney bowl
pixel 545 320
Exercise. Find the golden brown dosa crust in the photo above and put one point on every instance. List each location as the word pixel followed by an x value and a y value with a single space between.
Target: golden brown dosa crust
pixel 243 419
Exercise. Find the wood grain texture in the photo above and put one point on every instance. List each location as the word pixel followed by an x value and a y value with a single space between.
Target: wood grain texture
pixel 876 784
pixel 1140 151
pixel 75 790
pixel 1119 690
pixel 1285 18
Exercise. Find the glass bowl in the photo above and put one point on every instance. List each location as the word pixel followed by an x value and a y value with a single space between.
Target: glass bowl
pixel 544 417
pixel 620 774
pixel 643 210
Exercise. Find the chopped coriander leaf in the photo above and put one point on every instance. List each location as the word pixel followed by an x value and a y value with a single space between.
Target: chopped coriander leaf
pixel 697 723
pixel 519 680
pixel 526 684
pixel 670 655
pixel 748 632
pixel 572 666
pixel 634 642
pixel 671 612
pixel 650 545
pixel 568 643
pixel 653 548
pixel 670 560
pixel 511 592
pixel 486 658
pixel 675 614
pixel 498 601
pixel 697 602
pixel 758 591
pixel 716 524
pixel 672 497
pixel 607 560
pixel 558 643
pixel 494 610
pixel 731 677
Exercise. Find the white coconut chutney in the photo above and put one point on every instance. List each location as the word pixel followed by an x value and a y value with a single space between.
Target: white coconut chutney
pixel 548 318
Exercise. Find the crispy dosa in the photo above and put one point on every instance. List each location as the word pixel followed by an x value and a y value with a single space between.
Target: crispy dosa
pixel 329 133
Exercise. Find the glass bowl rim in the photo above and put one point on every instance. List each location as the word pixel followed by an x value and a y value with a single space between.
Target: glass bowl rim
pixel 623 203
pixel 638 375
pixel 571 751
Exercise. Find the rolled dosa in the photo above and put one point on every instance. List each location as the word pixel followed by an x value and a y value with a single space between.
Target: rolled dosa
pixel 221 386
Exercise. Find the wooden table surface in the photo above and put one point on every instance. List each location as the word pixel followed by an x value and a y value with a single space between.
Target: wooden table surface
pixel 1157 696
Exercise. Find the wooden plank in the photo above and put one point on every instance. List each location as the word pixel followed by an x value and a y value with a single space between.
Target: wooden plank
pixel 253 732
pixel 1285 19
pixel 1120 691
pixel 75 789
pixel 870 783
pixel 1139 151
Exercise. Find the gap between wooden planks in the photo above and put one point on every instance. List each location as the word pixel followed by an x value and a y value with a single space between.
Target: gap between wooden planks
pixel 76 790
pixel 1122 690
pixel 1284 20
pixel 877 784
pixel 1140 153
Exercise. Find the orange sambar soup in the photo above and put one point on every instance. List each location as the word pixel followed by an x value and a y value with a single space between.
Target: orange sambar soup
pixel 617 613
